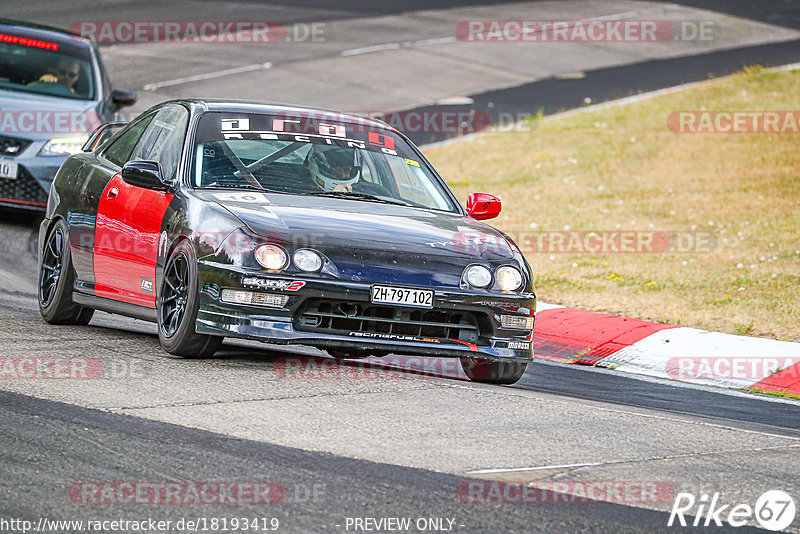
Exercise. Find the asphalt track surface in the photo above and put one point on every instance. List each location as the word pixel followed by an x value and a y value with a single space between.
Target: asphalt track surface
pixel 373 444
pixel 321 491
pixel 50 446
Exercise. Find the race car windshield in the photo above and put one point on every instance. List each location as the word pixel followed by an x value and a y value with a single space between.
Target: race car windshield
pixel 312 155
pixel 34 66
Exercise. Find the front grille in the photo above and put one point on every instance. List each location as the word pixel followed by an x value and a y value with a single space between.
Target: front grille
pixel 343 317
pixel 24 189
pixel 12 146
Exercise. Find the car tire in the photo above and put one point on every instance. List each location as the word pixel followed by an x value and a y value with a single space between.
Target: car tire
pixel 177 306
pixel 56 277
pixel 493 372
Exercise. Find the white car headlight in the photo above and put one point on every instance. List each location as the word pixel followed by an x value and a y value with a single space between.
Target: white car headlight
pixel 478 276
pixel 271 257
pixel 508 278
pixel 307 260
pixel 64 146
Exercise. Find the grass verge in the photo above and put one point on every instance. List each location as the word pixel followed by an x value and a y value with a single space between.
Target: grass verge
pixel 622 168
pixel 774 393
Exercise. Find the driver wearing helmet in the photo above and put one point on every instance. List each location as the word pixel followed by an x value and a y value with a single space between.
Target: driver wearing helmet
pixel 334 168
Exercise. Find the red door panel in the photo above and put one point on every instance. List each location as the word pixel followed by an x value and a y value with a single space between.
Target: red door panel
pixel 126 242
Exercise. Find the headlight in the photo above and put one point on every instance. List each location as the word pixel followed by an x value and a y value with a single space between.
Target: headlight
pixel 508 278
pixel 64 146
pixel 307 260
pixel 271 257
pixel 478 276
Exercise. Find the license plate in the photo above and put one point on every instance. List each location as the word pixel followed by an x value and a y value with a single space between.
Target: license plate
pixel 8 169
pixel 420 298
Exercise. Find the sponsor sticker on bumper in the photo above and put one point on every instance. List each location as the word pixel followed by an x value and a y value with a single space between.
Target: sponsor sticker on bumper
pixel 278 285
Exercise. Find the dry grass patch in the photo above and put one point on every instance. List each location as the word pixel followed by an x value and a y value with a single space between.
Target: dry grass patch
pixel 623 169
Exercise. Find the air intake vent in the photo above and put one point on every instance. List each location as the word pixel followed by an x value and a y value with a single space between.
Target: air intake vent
pixel 341 317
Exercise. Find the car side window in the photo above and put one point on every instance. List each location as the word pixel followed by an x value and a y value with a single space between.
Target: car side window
pixel 104 79
pixel 119 152
pixel 163 140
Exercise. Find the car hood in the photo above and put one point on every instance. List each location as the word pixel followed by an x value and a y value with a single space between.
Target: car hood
pixel 373 242
pixel 36 117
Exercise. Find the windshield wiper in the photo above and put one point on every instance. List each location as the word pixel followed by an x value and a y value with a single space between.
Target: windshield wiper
pixel 241 186
pixel 359 196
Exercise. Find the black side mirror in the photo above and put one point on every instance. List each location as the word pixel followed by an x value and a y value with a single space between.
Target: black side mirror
pixel 123 97
pixel 146 174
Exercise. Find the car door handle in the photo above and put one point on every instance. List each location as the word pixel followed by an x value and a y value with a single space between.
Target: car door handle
pixel 112 193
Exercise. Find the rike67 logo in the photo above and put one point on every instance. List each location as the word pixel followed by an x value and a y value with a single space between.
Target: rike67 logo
pixel 774 510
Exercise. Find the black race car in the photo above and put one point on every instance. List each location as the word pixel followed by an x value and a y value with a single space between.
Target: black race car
pixel 286 225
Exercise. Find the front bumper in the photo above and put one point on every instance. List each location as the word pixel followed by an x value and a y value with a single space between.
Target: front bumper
pixel 24 192
pixel 28 191
pixel 486 339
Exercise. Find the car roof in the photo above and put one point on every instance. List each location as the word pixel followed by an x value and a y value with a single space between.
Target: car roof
pixel 44 32
pixel 255 106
